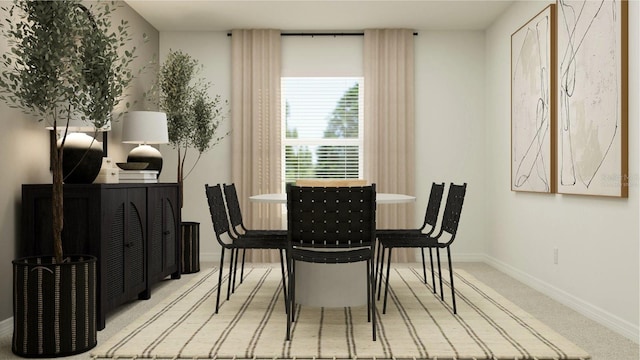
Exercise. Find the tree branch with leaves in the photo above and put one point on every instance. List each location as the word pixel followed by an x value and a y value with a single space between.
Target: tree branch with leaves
pixel 65 62
pixel 193 116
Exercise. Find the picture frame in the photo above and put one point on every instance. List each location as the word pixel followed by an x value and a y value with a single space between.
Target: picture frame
pixel 533 114
pixel 592 97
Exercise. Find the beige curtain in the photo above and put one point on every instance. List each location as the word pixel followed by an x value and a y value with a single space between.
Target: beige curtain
pixel 255 128
pixel 389 123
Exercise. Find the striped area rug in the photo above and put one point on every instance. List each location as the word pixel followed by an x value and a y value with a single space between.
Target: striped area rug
pixel 252 324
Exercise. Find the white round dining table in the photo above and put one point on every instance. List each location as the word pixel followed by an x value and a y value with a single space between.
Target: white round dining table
pixel 332 285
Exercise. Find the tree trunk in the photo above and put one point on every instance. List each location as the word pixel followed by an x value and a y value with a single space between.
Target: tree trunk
pixel 180 178
pixel 57 199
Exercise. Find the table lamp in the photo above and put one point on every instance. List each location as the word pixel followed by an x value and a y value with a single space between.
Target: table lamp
pixel 144 128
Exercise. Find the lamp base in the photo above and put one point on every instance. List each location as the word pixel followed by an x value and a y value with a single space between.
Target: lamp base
pixel 146 153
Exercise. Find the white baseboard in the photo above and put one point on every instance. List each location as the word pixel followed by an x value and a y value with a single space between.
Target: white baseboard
pixel 603 317
pixel 6 327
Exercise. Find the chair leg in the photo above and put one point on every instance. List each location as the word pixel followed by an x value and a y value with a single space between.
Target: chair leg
pixel 284 282
pixel 381 270
pixel 220 279
pixel 233 251
pixel 369 272
pixel 440 273
pixel 372 301
pixel 289 312
pixel 424 266
pixel 386 286
pixel 433 273
pixel 244 253
pixel 453 292
pixel 292 290
pixel 235 271
pixel 377 252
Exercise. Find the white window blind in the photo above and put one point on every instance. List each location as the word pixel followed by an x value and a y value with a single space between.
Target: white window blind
pixel 323 128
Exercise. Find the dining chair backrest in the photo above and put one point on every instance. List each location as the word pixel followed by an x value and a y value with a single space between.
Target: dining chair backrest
pixel 331 182
pixel 331 217
pixel 233 207
pixel 453 209
pixel 217 210
pixel 433 206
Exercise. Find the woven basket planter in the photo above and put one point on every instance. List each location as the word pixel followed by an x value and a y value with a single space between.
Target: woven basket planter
pixel 54 306
pixel 190 243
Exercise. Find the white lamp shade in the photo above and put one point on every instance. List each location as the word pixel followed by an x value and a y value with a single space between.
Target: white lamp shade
pixel 145 127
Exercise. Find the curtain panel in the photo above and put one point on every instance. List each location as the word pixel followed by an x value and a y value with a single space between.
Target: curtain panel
pixel 389 143
pixel 255 128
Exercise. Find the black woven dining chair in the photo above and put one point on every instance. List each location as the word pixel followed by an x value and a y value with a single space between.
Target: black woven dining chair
pixel 427 228
pixel 448 228
pixel 239 229
pixel 234 242
pixel 331 225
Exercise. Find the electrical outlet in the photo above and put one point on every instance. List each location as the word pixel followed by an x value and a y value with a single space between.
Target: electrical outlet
pixel 555 256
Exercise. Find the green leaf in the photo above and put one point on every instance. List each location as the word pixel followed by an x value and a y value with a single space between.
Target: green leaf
pixel 64 56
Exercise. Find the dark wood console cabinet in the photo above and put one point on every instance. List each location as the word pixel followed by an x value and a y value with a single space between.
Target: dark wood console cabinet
pixel 131 228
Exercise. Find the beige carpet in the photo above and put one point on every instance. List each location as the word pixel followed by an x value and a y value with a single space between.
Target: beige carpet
pixel 417 325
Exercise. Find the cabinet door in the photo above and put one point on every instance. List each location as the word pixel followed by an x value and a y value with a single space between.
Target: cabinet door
pixel 135 266
pixel 81 231
pixel 123 261
pixel 163 224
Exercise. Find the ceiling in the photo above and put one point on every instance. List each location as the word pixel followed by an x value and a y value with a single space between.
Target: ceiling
pixel 319 15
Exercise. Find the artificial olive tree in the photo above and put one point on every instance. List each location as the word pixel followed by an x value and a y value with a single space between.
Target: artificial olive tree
pixel 193 117
pixel 65 61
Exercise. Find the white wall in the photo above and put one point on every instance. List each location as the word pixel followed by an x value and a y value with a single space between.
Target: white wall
pixel 213 51
pixel 24 149
pixel 449 129
pixel 596 237
pixel 450 99
pixel 463 135
pixel 308 56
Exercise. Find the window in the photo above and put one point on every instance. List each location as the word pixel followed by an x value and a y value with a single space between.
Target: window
pixel 322 127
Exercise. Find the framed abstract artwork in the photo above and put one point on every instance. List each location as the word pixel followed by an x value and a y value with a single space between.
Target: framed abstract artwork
pixel 533 129
pixel 592 97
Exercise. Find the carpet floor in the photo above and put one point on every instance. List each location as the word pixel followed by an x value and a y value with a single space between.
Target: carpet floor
pixel 417 325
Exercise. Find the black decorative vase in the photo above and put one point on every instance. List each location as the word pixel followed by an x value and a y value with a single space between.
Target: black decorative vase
pixel 81 158
pixel 54 307
pixel 190 243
